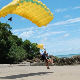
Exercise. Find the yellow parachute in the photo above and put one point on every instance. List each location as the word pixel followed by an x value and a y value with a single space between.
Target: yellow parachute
pixel 40 46
pixel 34 10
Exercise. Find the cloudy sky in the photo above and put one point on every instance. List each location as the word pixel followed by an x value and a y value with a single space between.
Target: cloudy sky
pixel 61 36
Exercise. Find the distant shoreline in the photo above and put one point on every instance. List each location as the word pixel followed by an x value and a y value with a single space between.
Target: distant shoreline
pixel 67 56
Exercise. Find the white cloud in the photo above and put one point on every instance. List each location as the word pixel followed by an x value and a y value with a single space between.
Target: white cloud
pixel 68 49
pixel 70 43
pixel 66 22
pixel 26 34
pixel 77 7
pixel 22 18
pixel 61 50
pixel 78 48
pixel 71 46
pixel 67 16
pixel 44 40
pixel 24 29
pixel 66 9
pixel 60 10
pixel 16 33
pixel 66 35
pixel 41 31
pixel 49 34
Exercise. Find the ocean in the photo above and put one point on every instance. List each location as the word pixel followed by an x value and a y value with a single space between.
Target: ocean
pixel 67 56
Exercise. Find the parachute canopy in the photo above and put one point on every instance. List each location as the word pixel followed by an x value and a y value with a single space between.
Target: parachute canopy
pixel 40 46
pixel 34 10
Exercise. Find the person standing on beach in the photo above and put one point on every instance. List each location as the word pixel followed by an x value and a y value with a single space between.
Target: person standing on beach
pixel 43 56
pixel 44 59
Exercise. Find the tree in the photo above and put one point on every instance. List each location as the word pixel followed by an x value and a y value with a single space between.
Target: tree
pixel 12 48
pixel 16 53
pixel 17 40
pixel 31 49
pixel 34 50
pixel 27 45
pixel 10 45
pixel 4 43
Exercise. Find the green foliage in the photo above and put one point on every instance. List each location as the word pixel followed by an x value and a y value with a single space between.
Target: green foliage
pixel 31 49
pixel 4 43
pixel 17 40
pixel 34 50
pixel 26 45
pixel 16 52
pixel 12 48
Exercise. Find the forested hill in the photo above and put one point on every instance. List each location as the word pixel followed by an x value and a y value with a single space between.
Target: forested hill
pixel 12 48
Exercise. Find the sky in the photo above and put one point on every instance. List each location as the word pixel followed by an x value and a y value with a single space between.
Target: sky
pixel 60 37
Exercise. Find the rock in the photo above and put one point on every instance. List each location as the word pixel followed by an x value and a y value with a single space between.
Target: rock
pixel 75 60
pixel 24 62
pixel 31 61
pixel 51 56
pixel 36 60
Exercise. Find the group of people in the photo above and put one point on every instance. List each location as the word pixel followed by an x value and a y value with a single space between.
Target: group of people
pixel 46 58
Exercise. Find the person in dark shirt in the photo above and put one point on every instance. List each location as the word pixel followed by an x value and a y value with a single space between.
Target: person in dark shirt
pixel 43 56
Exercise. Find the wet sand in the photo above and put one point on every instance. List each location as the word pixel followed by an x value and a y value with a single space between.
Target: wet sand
pixel 19 72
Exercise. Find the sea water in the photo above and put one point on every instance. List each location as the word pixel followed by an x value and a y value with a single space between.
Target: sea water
pixel 67 56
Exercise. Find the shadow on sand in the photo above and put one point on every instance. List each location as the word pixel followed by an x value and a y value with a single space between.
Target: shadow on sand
pixel 24 75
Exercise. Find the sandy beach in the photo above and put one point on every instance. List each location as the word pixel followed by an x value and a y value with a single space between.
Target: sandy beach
pixel 19 72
